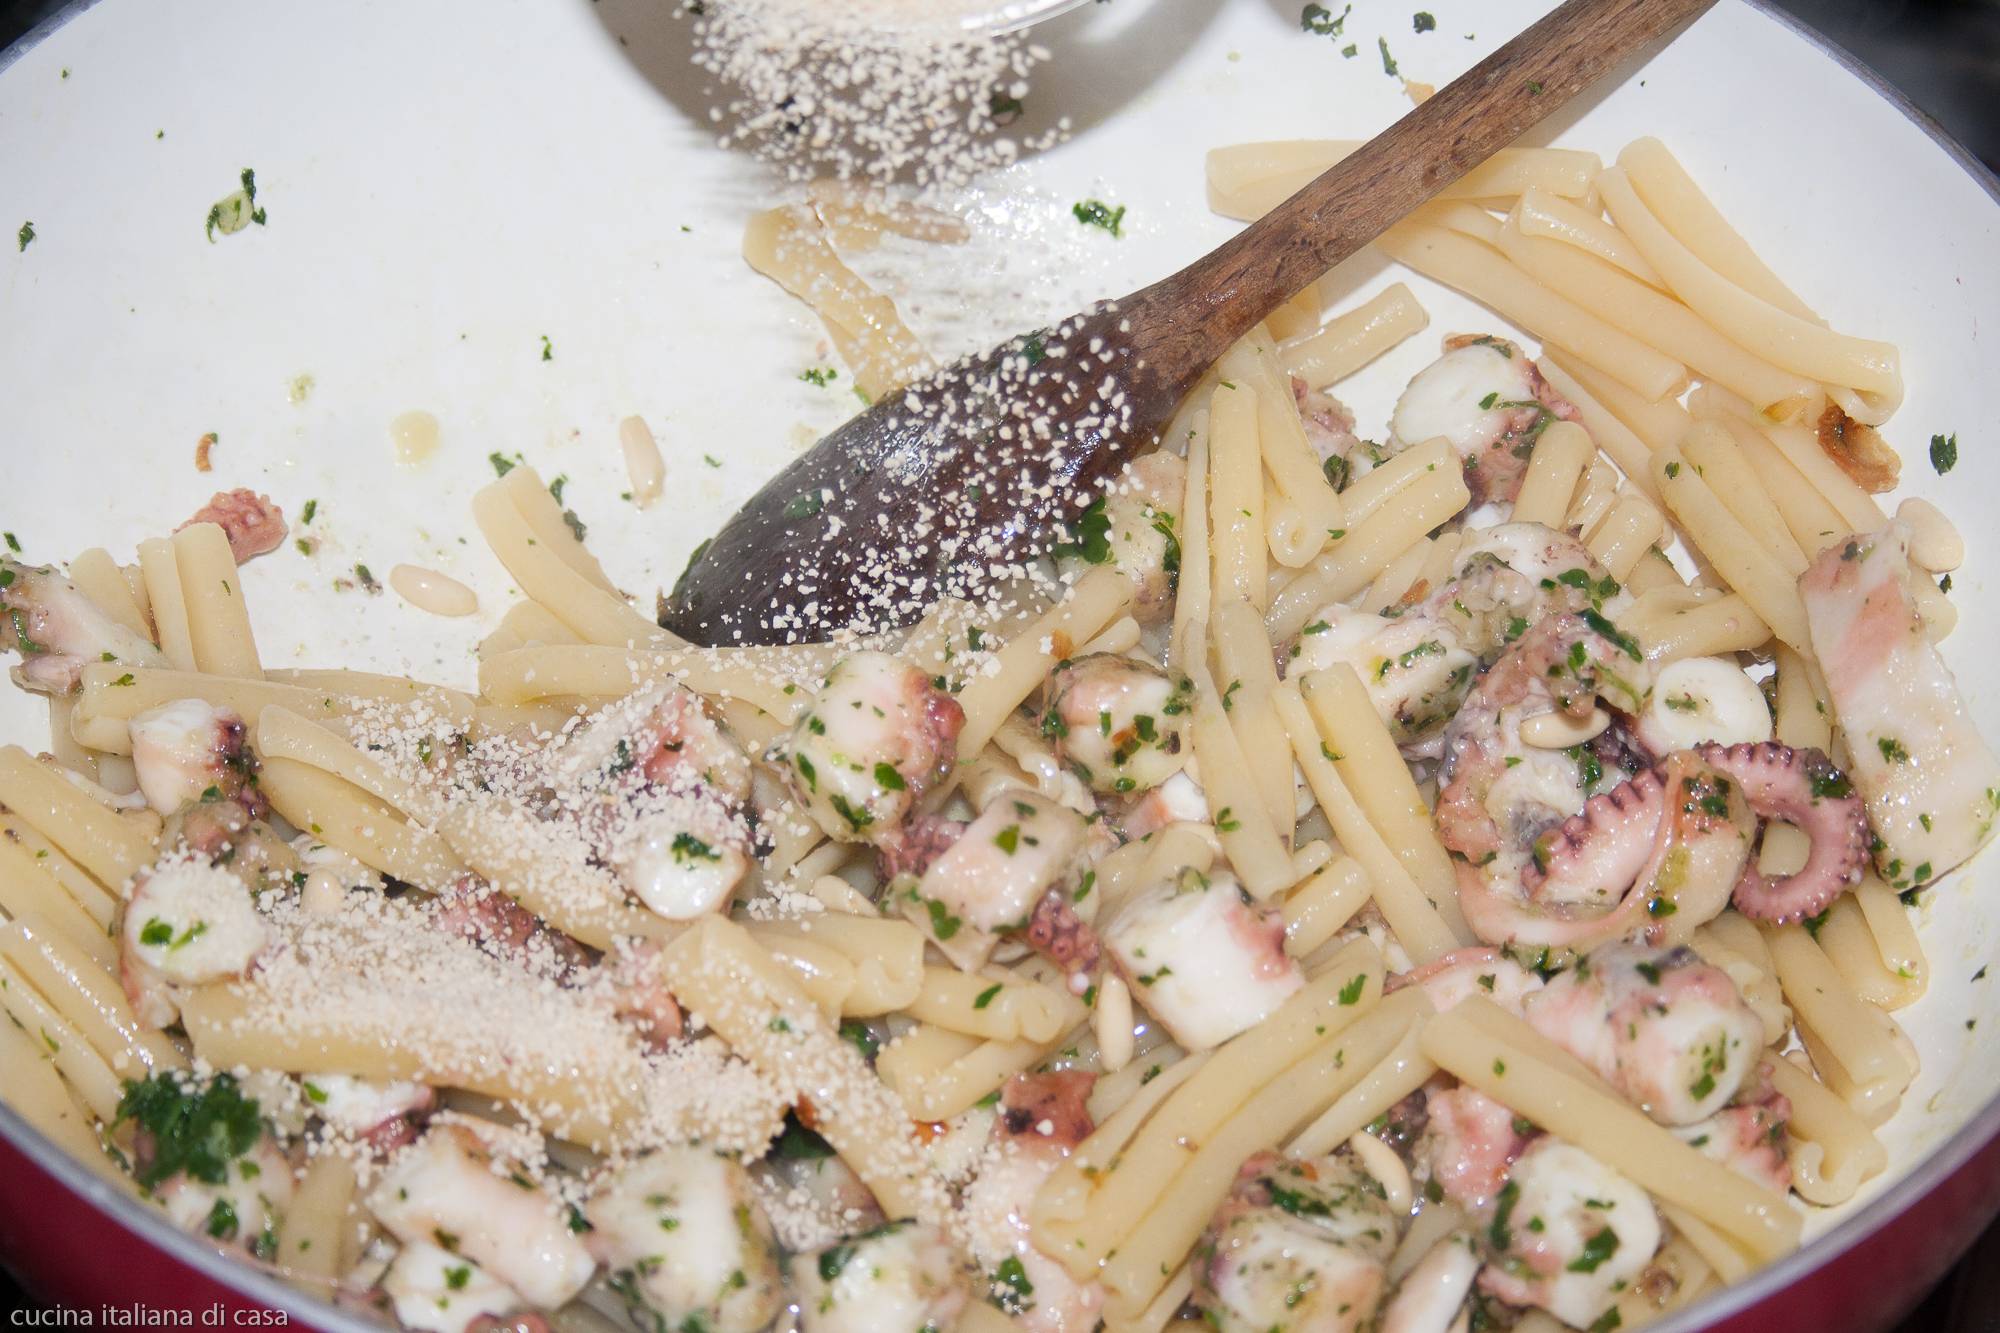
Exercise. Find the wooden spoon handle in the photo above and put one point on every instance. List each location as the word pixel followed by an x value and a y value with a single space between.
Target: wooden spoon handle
pixel 1363 195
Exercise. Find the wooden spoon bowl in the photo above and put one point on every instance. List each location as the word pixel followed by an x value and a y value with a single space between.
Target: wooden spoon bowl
pixel 962 478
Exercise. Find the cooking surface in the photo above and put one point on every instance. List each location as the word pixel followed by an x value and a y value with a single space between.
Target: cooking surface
pixel 1947 57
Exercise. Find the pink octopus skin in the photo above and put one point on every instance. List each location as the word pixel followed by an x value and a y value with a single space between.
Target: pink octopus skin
pixel 1471 1142
pixel 1538 667
pixel 1058 934
pixel 910 849
pixel 473 909
pixel 253 524
pixel 640 994
pixel 1455 977
pixel 1494 472
pixel 1654 856
pixel 1670 1032
pixel 1047 1110
pixel 1750 1140
pixel 1802 788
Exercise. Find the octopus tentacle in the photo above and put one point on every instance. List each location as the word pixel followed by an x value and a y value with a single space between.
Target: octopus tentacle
pixel 1803 788
pixel 1057 933
pixel 1609 842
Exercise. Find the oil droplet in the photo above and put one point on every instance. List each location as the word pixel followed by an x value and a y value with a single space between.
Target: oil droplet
pixel 415 436
pixel 299 389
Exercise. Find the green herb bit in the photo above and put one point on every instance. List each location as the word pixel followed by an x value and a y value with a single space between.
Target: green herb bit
pixel 1097 213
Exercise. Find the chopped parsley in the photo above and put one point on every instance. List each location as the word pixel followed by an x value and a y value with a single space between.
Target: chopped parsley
pixel 1351 992
pixel 1012 1291
pixel 1093 539
pixel 502 464
pixel 888 779
pixel 548 349
pixel 819 375
pixel 1096 213
pixel 986 996
pixel 197 1128
pixel 1892 750
pixel 26 235
pixel 1944 453
pixel 1323 22
pixel 687 848
pixel 1423 21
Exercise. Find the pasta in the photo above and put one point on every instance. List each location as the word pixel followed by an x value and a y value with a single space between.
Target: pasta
pixel 1242 900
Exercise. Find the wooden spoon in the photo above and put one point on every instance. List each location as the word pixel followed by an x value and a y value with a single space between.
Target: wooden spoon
pixel 954 480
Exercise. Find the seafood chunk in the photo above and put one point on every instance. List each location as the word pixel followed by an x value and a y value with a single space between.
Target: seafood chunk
pixel 686 1243
pixel 1044 1118
pixel 1415 668
pixel 1470 1142
pixel 242 1209
pixel 899 1278
pixel 1464 973
pixel 1135 528
pixel 1120 723
pixel 1022 848
pixel 1931 781
pixel 1300 1245
pixel 683 858
pixel 1667 1030
pixel 1570 1232
pixel 445 1189
pixel 58 630
pixel 384 1115
pixel 1748 1139
pixel 433 1289
pixel 1698 699
pixel 877 737
pixel 186 748
pixel 1202 958
pixel 187 923
pixel 1486 397
pixel 253 525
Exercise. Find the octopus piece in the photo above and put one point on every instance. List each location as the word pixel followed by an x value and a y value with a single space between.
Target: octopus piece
pixel 187 748
pixel 640 996
pixel 1485 396
pixel 1931 783
pixel 228 831
pixel 1414 667
pixel 911 849
pixel 1042 1119
pixel 992 882
pixel 1568 1233
pixel 1047 1109
pixel 1329 425
pixel 1470 1141
pixel 58 630
pixel 902 1277
pixel 685 1242
pixel 253 524
pixel 244 1208
pixel 1178 800
pixel 446 1189
pixel 816 1198
pixel 683 855
pixel 1511 576
pixel 1701 699
pixel 878 736
pixel 1202 957
pixel 1118 722
pixel 384 1116
pixel 1058 932
pixel 472 909
pixel 1134 527
pixel 1431 1294
pixel 1749 1139
pixel 1669 1031
pixel 431 1288
pixel 1457 976
pixel 1804 789
pixel 1300 1244
pixel 186 924
pixel 1656 856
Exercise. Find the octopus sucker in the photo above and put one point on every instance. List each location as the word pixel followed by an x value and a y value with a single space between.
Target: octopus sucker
pixel 1801 787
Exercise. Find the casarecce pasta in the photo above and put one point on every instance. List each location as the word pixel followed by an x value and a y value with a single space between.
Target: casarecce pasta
pixel 1408 882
